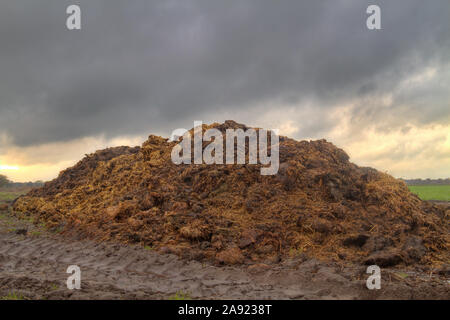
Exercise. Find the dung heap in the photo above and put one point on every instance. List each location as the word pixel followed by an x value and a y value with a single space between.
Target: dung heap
pixel 318 205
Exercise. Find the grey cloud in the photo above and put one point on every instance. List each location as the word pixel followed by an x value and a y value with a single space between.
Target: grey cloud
pixel 142 66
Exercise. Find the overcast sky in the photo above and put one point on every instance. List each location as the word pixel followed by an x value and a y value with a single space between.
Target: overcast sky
pixel 310 68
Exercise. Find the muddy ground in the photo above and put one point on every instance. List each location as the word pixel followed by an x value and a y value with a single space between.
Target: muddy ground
pixel 33 265
pixel 445 204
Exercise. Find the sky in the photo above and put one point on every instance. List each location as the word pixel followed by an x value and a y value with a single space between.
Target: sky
pixel 311 69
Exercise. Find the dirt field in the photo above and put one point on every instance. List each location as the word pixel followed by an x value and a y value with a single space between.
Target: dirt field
pixel 33 265
pixel 445 204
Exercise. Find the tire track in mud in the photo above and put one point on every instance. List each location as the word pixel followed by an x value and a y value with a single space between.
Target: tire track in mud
pixel 113 269
pixel 35 266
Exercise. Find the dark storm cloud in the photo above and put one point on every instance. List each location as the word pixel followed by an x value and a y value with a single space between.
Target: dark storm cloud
pixel 142 66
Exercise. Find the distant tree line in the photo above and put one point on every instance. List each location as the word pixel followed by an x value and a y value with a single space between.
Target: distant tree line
pixel 424 182
pixel 6 183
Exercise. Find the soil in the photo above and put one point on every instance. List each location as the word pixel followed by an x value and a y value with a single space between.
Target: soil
pixel 33 263
pixel 444 204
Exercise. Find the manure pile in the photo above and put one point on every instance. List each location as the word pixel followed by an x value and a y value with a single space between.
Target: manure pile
pixel 318 205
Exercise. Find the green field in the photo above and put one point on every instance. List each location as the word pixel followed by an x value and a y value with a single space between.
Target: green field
pixel 429 192
pixel 9 195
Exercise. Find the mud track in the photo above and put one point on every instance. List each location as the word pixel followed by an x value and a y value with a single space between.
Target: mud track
pixel 33 264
